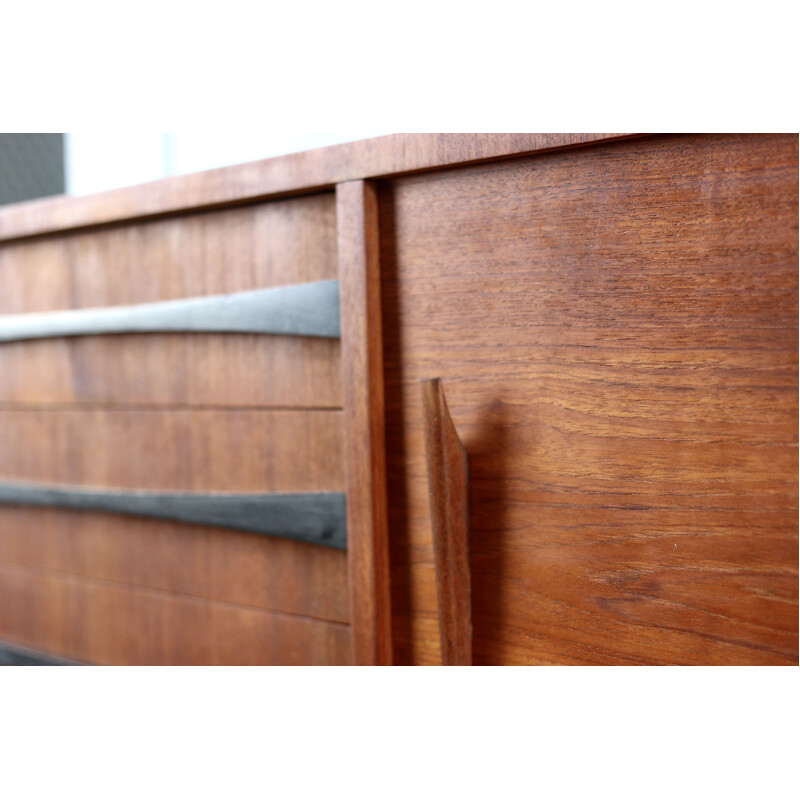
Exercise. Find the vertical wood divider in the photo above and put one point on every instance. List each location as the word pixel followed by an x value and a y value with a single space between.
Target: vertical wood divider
pixel 365 441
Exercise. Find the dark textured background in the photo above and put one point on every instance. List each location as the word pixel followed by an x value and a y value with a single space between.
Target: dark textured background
pixel 31 165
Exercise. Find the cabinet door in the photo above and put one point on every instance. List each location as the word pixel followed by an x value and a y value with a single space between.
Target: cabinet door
pixel 616 332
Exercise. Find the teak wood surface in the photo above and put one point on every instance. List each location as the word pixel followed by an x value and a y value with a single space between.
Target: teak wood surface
pixel 101 622
pixel 617 330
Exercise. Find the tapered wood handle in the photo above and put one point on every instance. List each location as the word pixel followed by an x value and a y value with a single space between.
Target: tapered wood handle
pixel 448 490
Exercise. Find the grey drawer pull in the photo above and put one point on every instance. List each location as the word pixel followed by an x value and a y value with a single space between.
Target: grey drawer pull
pixel 13 655
pixel 316 517
pixel 306 309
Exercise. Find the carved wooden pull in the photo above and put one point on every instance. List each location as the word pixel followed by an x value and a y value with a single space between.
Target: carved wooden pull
pixel 447 486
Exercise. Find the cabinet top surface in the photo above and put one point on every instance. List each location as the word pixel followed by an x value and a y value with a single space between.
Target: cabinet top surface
pixel 308 171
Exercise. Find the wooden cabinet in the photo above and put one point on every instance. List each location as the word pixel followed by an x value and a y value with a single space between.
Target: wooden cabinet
pixel 614 323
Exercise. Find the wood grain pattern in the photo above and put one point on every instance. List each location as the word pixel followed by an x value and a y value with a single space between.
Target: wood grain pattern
pixel 256 247
pixel 225 450
pixel 222 450
pixel 448 490
pixel 298 172
pixel 98 622
pixel 617 329
pixel 192 561
pixel 362 380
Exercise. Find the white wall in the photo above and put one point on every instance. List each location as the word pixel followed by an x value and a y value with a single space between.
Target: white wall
pixel 99 161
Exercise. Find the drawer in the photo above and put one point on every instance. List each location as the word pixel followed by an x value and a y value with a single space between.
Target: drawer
pixel 235 250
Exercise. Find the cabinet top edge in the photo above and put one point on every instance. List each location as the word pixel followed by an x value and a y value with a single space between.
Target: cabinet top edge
pixel 297 173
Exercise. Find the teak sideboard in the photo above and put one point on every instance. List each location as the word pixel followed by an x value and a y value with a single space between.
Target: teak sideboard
pixel 554 420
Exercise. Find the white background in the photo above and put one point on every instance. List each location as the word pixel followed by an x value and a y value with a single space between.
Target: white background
pixel 100 160
pixel 546 733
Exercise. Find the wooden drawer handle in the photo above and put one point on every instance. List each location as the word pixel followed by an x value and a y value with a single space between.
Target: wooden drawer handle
pixel 306 309
pixel 449 502
pixel 315 517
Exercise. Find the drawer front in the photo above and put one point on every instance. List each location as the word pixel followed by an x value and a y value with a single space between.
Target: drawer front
pixel 188 413
pixel 213 253
pixel 616 333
